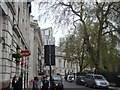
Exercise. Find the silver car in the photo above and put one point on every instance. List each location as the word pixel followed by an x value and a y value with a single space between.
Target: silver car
pixel 95 81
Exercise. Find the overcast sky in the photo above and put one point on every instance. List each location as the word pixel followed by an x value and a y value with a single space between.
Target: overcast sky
pixel 49 23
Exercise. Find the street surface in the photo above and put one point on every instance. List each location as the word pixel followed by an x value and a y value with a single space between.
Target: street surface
pixel 73 86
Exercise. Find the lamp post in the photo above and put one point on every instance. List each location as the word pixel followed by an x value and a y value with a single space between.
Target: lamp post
pixel 50 60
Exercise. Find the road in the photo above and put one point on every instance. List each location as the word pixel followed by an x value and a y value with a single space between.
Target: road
pixel 73 86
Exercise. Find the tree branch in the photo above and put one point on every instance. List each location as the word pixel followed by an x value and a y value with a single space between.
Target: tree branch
pixel 70 6
pixel 85 65
pixel 74 23
pixel 97 14
pixel 109 32
pixel 108 9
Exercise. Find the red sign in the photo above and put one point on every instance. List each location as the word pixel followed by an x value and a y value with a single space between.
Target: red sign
pixel 25 52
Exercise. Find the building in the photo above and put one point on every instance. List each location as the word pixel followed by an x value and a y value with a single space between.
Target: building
pixel 14 39
pixel 47 35
pixel 64 66
pixel 36 47
pixel 60 66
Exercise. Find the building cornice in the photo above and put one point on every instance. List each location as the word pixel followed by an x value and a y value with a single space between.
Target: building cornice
pixel 36 27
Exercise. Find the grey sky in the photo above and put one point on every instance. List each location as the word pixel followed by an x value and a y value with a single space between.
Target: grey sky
pixel 45 24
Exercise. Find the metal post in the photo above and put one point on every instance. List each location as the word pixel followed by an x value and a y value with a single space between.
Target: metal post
pixel 50 61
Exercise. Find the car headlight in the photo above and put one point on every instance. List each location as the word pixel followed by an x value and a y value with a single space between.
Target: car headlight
pixel 82 80
pixel 97 82
pixel 56 84
pixel 107 83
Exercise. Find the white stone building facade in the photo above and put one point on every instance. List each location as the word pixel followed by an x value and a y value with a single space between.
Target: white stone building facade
pixel 36 47
pixel 14 34
pixel 63 66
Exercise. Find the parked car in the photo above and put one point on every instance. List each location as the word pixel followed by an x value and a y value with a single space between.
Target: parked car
pixel 80 80
pixel 95 81
pixel 70 78
pixel 57 82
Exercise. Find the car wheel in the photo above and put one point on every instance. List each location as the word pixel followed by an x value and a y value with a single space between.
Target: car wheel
pixel 94 86
pixel 107 88
pixel 86 85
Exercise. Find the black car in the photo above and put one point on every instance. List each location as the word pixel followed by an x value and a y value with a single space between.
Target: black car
pixel 56 83
pixel 80 80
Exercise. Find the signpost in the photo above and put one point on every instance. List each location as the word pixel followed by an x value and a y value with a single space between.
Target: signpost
pixel 49 56
pixel 25 52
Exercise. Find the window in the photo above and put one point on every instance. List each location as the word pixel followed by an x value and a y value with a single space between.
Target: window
pixel 56 78
pixel 18 19
pixel 99 77
pixel 47 32
pixel 64 63
pixel 88 76
pixel 91 77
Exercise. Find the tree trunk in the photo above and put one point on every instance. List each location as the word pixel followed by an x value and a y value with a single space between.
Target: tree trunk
pixel 90 48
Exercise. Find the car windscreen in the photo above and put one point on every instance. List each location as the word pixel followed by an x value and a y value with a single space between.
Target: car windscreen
pixel 82 77
pixel 99 77
pixel 56 78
